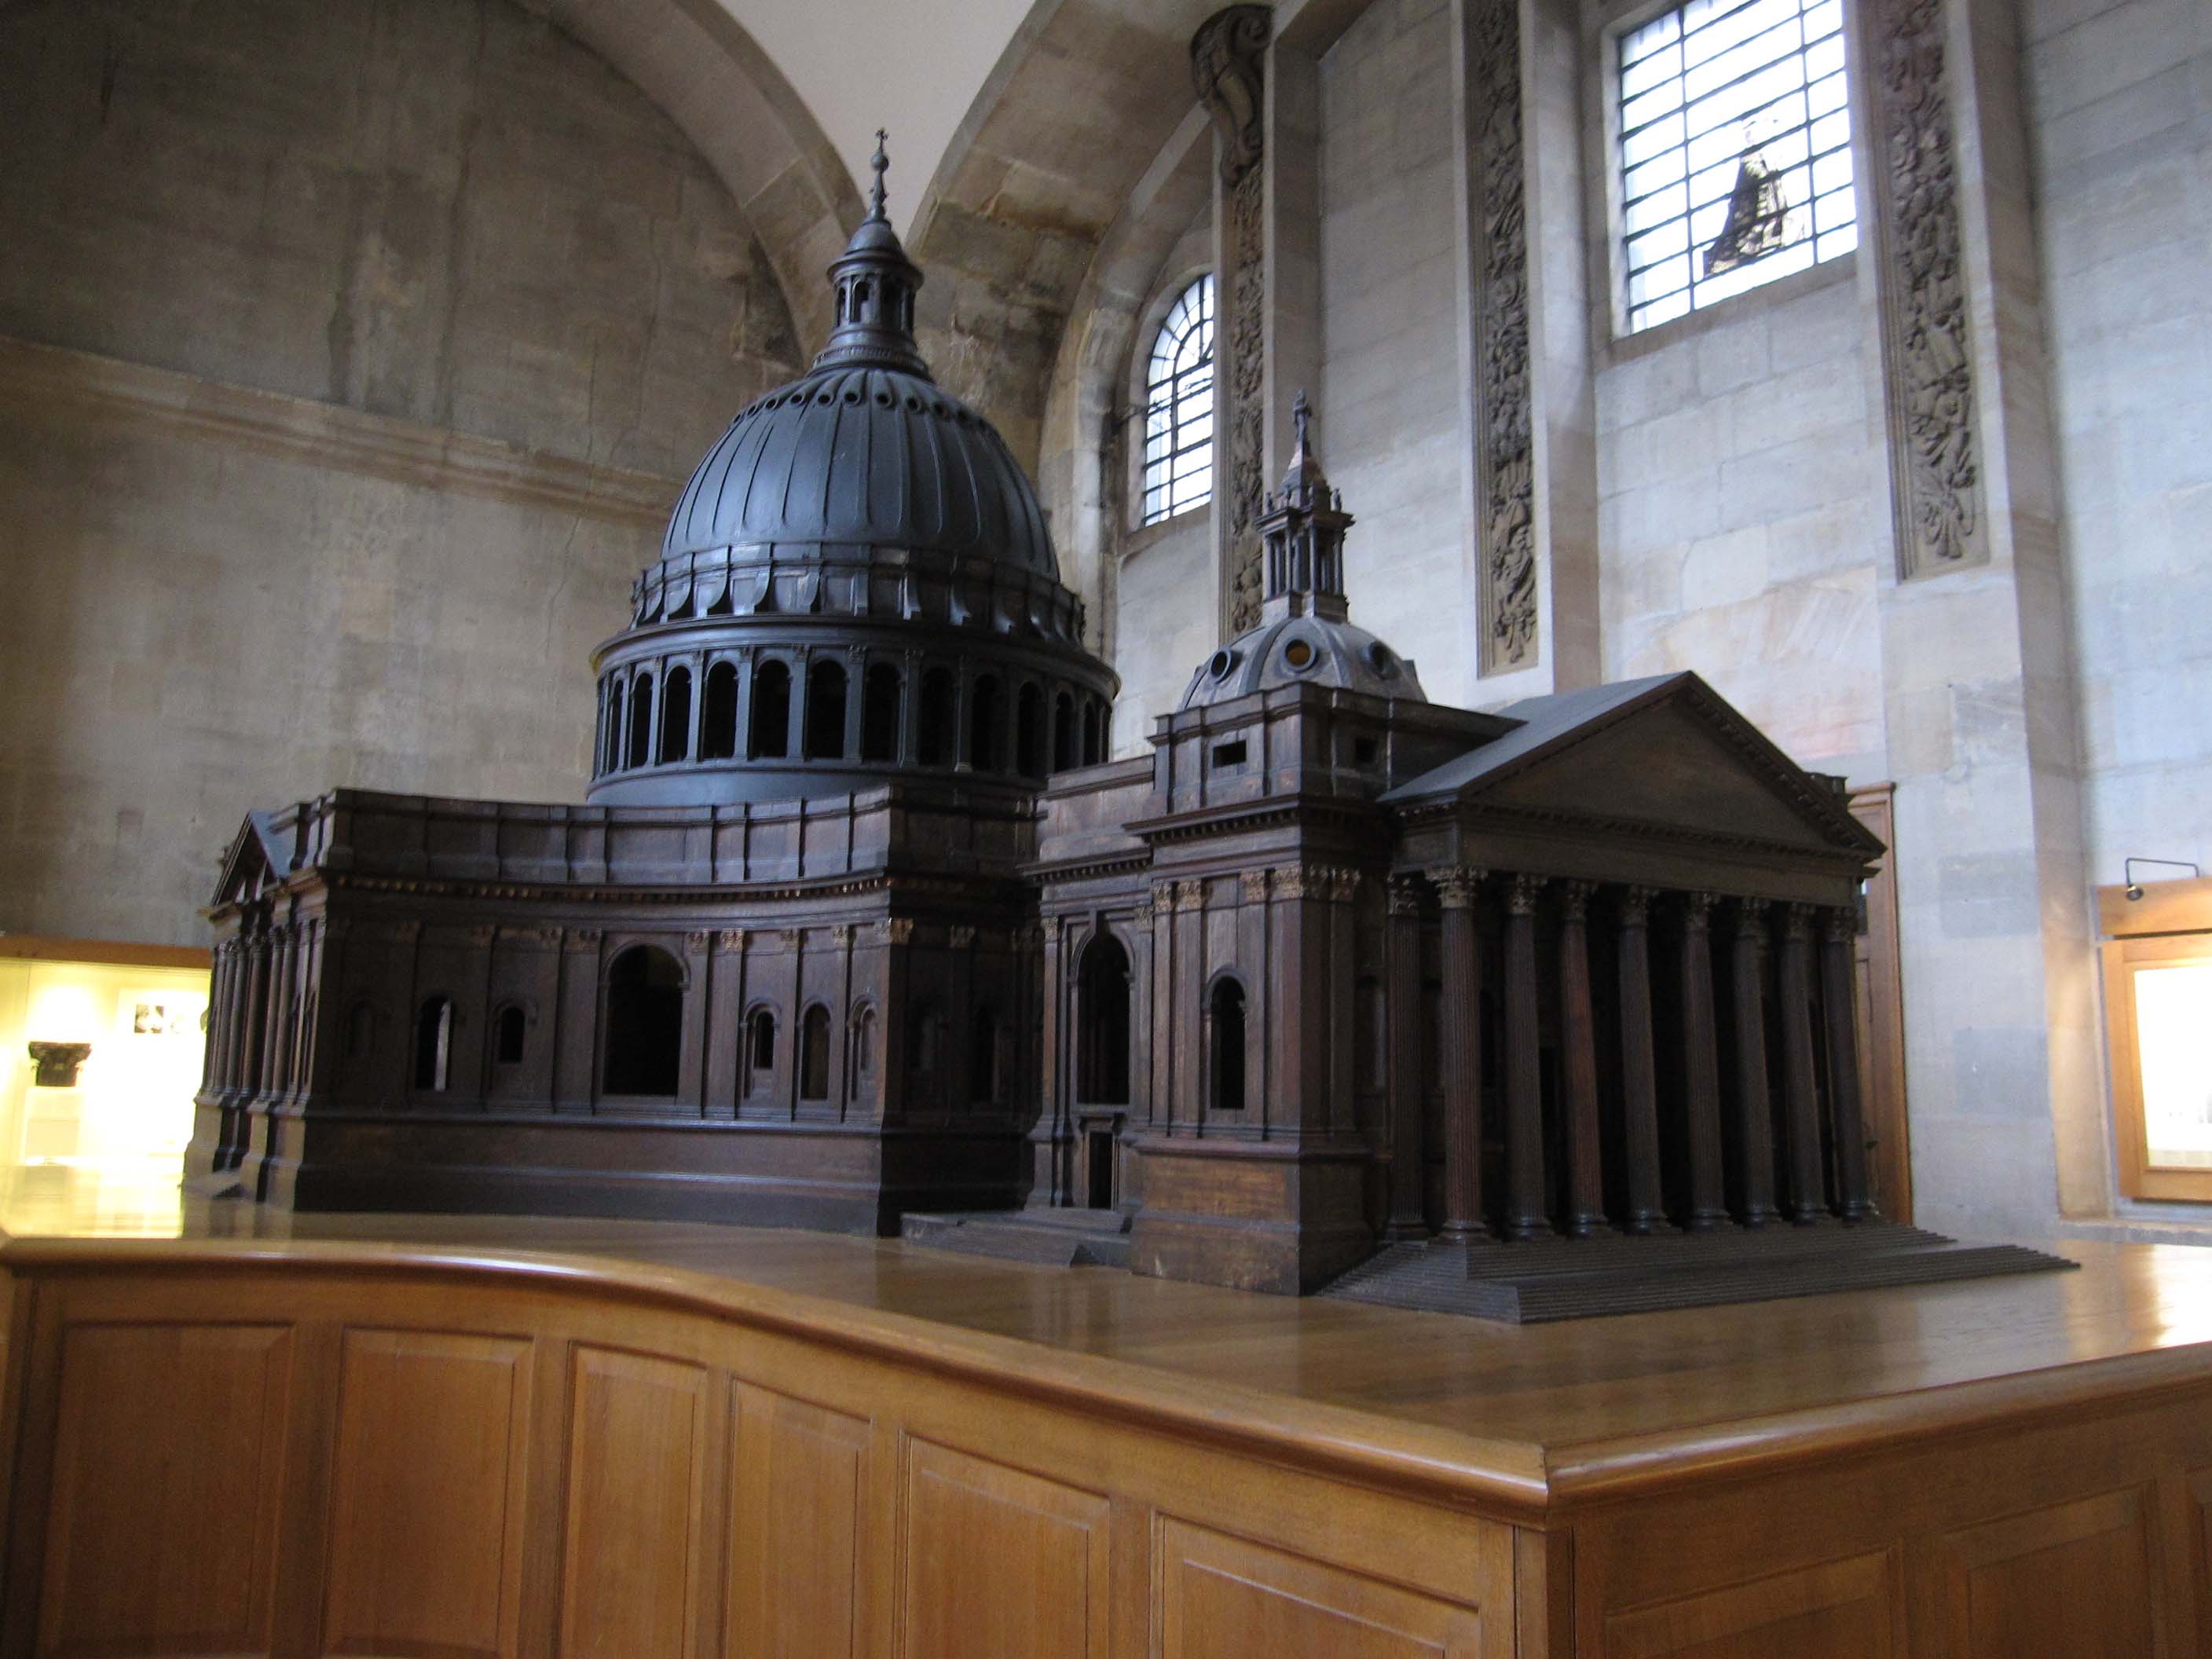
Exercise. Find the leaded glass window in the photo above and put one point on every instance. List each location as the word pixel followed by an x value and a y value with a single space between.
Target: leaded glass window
pixel 1179 407
pixel 1735 150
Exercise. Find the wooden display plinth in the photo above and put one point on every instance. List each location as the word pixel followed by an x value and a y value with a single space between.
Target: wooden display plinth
pixel 487 1435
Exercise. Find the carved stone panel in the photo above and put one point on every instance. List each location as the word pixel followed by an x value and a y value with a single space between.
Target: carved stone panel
pixel 1505 480
pixel 1928 360
pixel 1228 57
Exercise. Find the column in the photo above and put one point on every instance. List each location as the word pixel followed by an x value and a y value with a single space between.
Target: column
pixel 1801 1102
pixel 1755 1103
pixel 1408 1155
pixel 1701 1065
pixel 1639 1092
pixel 1585 1215
pixel 1524 1105
pixel 1461 1039
pixel 1839 1002
pixel 1062 1018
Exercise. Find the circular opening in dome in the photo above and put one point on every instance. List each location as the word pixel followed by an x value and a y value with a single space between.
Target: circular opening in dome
pixel 938 408
pixel 1299 655
pixel 1378 654
pixel 1221 662
pixel 913 402
pixel 884 399
pixel 823 398
pixel 852 397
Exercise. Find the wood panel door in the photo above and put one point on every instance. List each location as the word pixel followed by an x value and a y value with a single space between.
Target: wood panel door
pixel 2073 1578
pixel 1001 1563
pixel 1881 967
pixel 173 1435
pixel 1846 1609
pixel 428 1495
pixel 636 1542
pixel 1222 1597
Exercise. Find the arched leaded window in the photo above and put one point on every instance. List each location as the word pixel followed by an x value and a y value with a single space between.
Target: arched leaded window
pixel 1179 406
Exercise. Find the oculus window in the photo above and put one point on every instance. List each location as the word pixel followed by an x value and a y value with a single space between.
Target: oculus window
pixel 1179 407
pixel 1735 150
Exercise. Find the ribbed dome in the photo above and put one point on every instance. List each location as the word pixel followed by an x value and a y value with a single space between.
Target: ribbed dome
pixel 870 456
pixel 1304 649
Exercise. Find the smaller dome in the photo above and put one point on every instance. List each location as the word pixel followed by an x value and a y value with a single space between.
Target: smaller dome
pixel 1304 649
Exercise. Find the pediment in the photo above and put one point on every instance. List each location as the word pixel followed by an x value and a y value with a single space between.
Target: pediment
pixel 1678 759
pixel 248 871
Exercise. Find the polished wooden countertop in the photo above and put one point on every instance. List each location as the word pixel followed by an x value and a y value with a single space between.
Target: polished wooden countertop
pixel 1529 1416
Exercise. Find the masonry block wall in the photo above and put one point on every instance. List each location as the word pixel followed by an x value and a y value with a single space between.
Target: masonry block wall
pixel 349 355
pixel 1393 298
pixel 2121 96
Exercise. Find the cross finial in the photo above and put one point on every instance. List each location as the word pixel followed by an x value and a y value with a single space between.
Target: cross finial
pixel 881 163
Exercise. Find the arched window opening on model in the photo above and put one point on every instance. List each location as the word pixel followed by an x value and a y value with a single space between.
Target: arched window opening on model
pixel 879 712
pixel 983 722
pixel 825 711
pixel 770 738
pixel 1029 733
pixel 861 1053
pixel 983 1058
pixel 611 741
pixel 510 1032
pixel 644 1023
pixel 1064 752
pixel 814 1054
pixel 933 718
pixel 676 717
pixel 433 1044
pixel 760 1049
pixel 640 720
pixel 1224 1046
pixel 1101 1017
pixel 718 718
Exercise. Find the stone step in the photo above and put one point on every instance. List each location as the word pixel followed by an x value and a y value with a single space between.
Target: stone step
pixel 1025 1235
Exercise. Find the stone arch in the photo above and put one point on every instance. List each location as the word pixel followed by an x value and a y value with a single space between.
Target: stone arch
pixel 707 74
pixel 1046 159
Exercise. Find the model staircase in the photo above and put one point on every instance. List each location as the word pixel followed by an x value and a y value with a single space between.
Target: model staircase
pixel 1052 1239
pixel 1540 1281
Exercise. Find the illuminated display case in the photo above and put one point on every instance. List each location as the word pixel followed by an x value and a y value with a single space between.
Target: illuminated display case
pixel 2157 961
pixel 122 1028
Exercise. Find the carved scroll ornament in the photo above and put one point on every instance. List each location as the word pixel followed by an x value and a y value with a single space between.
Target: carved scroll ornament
pixel 1228 57
pixel 1934 442
pixel 1504 447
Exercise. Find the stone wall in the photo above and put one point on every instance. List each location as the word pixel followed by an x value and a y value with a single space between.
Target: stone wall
pixel 351 353
pixel 1737 512
pixel 2121 98
pixel 1388 426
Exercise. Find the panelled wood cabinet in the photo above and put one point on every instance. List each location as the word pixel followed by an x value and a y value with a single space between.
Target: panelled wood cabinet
pixel 224 1449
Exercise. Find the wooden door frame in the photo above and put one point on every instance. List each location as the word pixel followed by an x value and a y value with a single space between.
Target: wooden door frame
pixel 1881 965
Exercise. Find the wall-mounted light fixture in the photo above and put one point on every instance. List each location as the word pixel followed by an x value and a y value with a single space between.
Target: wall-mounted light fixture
pixel 2134 888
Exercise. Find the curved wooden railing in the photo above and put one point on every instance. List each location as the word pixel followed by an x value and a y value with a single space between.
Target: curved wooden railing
pixel 299 1448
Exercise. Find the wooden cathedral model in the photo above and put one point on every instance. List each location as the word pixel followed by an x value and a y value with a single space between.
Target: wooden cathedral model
pixel 858 927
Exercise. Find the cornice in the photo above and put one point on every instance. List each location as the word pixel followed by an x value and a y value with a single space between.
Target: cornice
pixel 330 434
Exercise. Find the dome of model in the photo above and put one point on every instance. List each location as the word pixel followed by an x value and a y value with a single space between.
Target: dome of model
pixel 862 452
pixel 1309 649
pixel 1305 636
pixel 856 586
